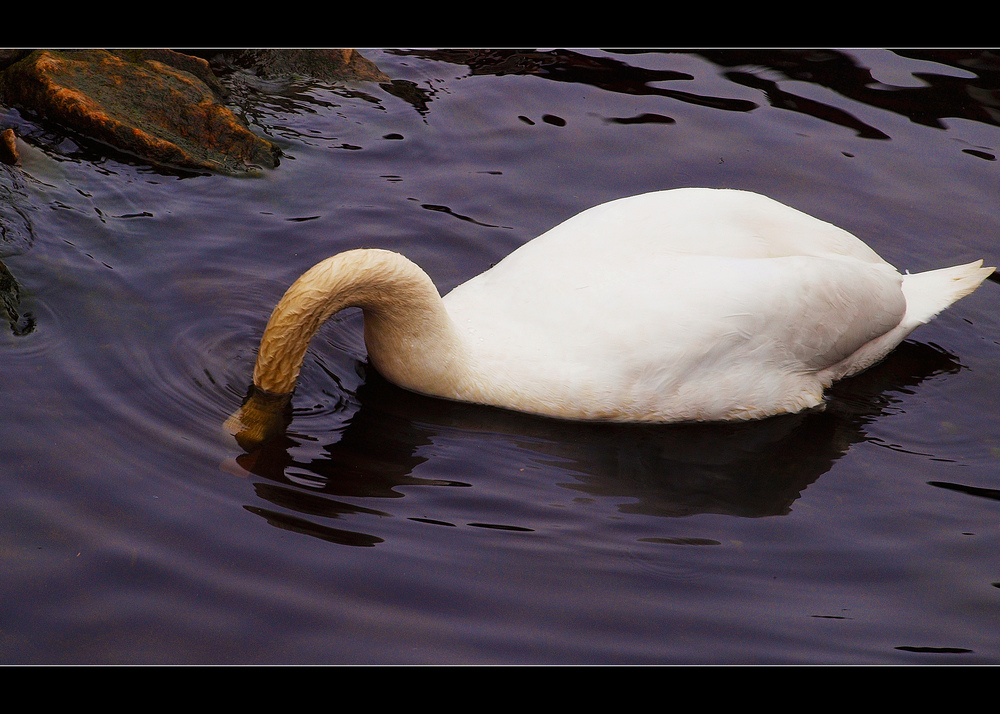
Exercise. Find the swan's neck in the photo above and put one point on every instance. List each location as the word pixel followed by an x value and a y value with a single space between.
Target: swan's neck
pixel 409 336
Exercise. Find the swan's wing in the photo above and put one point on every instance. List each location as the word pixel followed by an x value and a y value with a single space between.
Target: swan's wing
pixel 704 333
pixel 817 311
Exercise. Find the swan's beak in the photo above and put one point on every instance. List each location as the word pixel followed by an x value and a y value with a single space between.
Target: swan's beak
pixel 262 417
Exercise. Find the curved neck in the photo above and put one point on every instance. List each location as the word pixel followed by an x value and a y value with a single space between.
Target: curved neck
pixel 408 334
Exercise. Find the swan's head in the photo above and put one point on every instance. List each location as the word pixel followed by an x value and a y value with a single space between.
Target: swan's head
pixel 262 417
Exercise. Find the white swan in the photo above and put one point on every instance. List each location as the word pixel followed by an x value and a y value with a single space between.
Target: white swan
pixel 687 304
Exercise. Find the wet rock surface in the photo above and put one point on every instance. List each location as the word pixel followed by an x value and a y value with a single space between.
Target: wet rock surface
pixel 8 147
pixel 168 114
pixel 10 301
pixel 324 64
pixel 164 107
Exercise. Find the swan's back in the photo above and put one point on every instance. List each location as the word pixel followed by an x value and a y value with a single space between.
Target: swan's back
pixel 647 252
pixel 689 221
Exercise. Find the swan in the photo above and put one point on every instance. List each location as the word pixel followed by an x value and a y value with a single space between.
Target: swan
pixel 689 304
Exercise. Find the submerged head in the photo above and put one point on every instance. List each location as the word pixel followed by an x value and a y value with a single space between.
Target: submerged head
pixel 262 417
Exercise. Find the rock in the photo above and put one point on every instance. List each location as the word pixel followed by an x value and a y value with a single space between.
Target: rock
pixel 159 105
pixel 189 63
pixel 324 64
pixel 10 300
pixel 8 148
pixel 10 294
pixel 9 56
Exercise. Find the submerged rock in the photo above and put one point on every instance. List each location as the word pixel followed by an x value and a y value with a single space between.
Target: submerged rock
pixel 323 64
pixel 10 301
pixel 10 295
pixel 162 106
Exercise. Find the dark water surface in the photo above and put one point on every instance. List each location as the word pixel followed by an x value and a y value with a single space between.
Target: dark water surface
pixel 392 528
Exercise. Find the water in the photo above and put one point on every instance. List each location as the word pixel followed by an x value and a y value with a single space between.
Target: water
pixel 392 528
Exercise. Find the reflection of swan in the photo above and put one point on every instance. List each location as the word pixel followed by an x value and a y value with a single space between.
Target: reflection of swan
pixel 345 481
pixel 692 304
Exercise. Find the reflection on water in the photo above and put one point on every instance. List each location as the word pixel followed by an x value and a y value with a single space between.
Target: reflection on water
pixel 746 469
pixel 969 90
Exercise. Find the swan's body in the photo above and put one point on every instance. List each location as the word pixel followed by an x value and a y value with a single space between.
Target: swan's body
pixel 689 304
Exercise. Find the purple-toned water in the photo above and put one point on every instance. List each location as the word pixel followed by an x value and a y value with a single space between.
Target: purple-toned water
pixel 392 528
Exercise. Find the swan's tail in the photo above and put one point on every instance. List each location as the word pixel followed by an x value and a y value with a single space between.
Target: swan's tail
pixel 930 292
